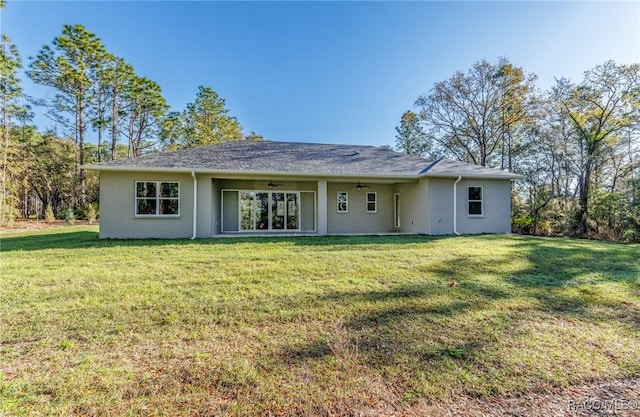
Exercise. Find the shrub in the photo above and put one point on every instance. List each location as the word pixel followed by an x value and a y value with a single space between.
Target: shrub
pixel 49 217
pixel 91 214
pixel 8 211
pixel 69 216
pixel 522 224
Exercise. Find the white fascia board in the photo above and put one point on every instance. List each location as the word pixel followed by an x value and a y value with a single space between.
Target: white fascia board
pixel 478 176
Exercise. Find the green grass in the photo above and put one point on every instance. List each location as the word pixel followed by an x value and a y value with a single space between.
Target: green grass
pixel 260 326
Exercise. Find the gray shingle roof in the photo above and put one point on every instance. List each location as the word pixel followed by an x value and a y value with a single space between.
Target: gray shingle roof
pixel 298 158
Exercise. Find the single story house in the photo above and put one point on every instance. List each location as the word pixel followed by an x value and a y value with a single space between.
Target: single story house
pixel 242 188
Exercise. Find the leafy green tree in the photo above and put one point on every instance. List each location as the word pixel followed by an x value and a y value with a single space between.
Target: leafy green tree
pixel 410 138
pixel 254 137
pixel 600 109
pixel 70 65
pixel 470 115
pixel 205 121
pixel 145 111
pixel 172 131
pixel 543 167
pixel 48 169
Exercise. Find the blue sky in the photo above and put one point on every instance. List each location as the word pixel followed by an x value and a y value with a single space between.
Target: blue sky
pixel 333 72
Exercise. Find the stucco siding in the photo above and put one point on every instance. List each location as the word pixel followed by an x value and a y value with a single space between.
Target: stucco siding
pixel 307 212
pixel 426 206
pixel 204 224
pixel 414 206
pixel 216 209
pixel 357 219
pixel 117 207
pixel 230 219
pixel 262 185
pixel 441 206
pixel 496 202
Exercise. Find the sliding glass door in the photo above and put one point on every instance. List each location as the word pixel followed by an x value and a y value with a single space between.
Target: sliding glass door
pixel 277 211
pixel 269 210
pixel 292 211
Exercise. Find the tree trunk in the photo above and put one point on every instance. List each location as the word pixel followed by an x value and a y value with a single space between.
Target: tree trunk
pixel 114 128
pixel 81 128
pixel 100 142
pixel 585 184
pixel 5 153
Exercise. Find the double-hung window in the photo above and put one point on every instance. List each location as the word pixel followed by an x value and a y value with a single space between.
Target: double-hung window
pixel 372 203
pixel 475 201
pixel 157 198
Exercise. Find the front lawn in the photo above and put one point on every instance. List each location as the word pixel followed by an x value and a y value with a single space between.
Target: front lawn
pixel 315 326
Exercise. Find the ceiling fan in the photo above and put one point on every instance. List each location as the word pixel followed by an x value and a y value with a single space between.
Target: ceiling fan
pixel 272 184
pixel 360 186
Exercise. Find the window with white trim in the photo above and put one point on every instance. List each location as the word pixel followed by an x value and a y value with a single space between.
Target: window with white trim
pixel 475 201
pixel 343 202
pixel 157 198
pixel 372 202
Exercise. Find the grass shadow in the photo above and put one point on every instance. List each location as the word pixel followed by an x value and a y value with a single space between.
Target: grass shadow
pixel 70 238
pixel 482 326
pixel 567 277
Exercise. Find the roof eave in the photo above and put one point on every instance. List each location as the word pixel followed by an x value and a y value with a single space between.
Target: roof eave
pixel 179 170
pixel 478 176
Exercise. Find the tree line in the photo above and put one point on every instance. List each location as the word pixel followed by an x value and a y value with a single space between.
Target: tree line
pixel 577 143
pixel 101 110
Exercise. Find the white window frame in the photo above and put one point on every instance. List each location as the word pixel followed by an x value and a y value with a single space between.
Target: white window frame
pixel 374 202
pixel 158 184
pixel 481 201
pixel 346 202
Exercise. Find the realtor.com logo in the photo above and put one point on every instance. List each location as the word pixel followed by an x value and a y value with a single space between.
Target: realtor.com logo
pixel 604 405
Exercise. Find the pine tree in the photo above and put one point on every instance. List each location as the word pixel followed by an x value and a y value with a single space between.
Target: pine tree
pixel 204 121
pixel 70 65
pixel 69 215
pixel 410 138
pixel 11 94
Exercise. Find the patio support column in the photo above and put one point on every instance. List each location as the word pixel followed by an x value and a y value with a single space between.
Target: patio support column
pixel 322 207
